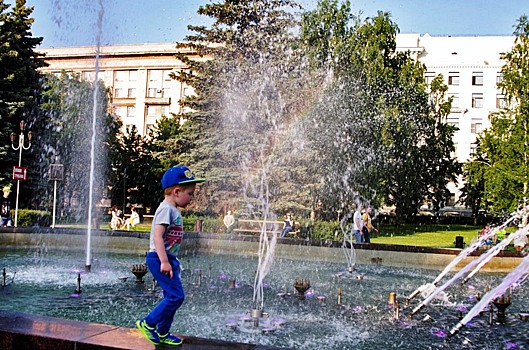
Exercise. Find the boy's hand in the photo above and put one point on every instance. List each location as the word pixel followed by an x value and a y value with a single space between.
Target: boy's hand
pixel 166 269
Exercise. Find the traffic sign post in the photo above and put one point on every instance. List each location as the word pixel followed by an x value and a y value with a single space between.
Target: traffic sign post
pixel 20 173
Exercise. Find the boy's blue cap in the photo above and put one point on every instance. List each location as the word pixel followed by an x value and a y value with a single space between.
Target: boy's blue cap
pixel 179 175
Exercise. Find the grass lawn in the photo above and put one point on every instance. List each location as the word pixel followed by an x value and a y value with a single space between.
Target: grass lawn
pixel 438 236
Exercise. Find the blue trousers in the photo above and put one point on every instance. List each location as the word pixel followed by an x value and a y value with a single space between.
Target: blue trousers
pixel 358 236
pixel 173 293
pixel 285 231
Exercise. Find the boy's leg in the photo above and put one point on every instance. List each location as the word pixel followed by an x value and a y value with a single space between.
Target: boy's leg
pixel 162 315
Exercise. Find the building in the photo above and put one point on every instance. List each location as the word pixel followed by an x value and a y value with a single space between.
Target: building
pixel 471 68
pixel 137 75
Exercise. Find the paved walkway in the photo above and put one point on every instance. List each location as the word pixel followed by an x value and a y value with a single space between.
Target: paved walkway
pixel 20 331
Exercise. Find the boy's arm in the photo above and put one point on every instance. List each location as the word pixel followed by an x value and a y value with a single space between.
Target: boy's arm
pixel 165 267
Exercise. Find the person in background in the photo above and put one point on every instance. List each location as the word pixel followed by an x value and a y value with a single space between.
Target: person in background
pixel 6 207
pixel 229 221
pixel 358 223
pixel 133 220
pixel 167 233
pixel 367 227
pixel 115 222
pixel 287 225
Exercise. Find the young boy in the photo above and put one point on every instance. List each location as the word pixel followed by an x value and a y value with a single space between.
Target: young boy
pixel 166 236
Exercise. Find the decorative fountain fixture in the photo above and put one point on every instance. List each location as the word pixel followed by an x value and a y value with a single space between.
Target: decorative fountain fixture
pixel 301 285
pixel 502 303
pixel 139 270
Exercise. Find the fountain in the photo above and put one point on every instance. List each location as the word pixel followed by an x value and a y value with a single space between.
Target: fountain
pixel 139 270
pixel 356 314
pixel 301 285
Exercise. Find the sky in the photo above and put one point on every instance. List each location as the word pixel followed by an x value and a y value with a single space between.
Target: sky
pixel 75 22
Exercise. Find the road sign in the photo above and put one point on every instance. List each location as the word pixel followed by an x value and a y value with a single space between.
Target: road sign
pixel 20 173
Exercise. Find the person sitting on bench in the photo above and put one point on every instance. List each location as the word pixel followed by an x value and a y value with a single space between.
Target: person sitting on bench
pixel 133 220
pixel 287 225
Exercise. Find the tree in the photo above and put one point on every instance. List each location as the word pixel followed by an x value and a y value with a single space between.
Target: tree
pixel 64 134
pixel 249 98
pixel 134 166
pixel 376 135
pixel 504 146
pixel 19 78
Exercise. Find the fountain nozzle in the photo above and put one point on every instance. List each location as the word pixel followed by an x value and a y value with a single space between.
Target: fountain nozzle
pixel 455 329
pixel 78 289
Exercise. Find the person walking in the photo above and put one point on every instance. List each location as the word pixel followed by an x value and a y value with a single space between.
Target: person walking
pixel 167 232
pixel 358 224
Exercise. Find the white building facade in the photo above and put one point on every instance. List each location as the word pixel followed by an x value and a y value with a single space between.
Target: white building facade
pixel 471 67
pixel 137 75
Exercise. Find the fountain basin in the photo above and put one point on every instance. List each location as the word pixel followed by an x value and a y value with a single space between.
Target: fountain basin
pixel 44 282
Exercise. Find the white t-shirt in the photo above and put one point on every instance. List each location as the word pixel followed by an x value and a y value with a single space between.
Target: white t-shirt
pixel 358 223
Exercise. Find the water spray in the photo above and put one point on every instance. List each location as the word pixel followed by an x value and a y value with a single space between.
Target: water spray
pixel 465 252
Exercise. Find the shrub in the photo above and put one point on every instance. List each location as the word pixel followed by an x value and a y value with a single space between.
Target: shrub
pixel 327 230
pixel 28 217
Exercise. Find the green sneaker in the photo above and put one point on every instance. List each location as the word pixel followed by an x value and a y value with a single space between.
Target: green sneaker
pixel 170 339
pixel 148 332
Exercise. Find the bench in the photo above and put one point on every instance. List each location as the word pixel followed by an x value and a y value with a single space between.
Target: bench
pixel 255 226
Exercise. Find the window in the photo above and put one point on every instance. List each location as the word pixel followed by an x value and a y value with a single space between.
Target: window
pixel 473 147
pixel 120 111
pixel 155 75
pixel 455 100
pixel 428 77
pixel 152 111
pixel 500 101
pixel 89 75
pixel 477 100
pixel 499 78
pixel 158 81
pixel 476 126
pixel 151 92
pixel 453 78
pixel 125 75
pixel 119 93
pixel 477 78
pixel 131 93
pixel 131 111
pixel 454 121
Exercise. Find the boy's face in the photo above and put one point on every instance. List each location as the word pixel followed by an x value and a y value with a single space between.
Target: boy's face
pixel 184 194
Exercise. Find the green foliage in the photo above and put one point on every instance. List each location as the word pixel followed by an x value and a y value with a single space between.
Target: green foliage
pixel 64 136
pixel 19 79
pixel 327 230
pixel 375 135
pixel 501 176
pixel 135 165
pixel 28 217
pixel 242 133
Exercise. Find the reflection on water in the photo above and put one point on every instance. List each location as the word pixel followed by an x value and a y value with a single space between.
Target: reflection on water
pixel 45 285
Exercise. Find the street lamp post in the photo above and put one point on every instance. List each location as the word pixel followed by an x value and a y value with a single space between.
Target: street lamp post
pixel 19 148
pixel 56 174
